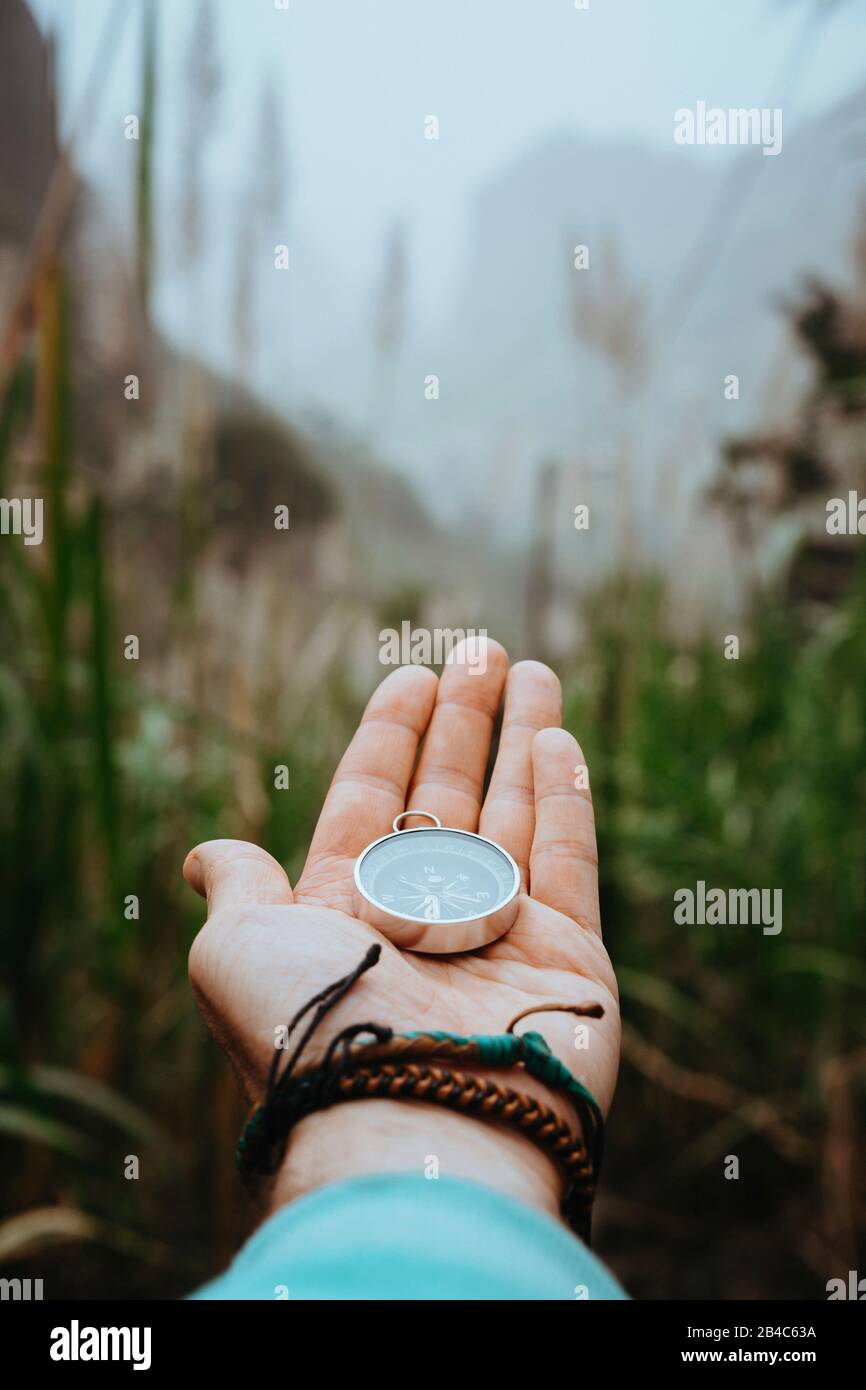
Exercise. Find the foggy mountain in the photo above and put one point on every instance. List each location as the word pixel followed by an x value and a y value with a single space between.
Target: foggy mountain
pixel 518 382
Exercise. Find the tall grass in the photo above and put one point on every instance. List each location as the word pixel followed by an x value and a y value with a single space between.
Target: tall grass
pixel 742 773
pixel 105 782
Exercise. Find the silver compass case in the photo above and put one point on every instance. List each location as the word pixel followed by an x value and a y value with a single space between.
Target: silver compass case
pixel 437 889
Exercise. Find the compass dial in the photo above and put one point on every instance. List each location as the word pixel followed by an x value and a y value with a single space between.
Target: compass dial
pixel 437 875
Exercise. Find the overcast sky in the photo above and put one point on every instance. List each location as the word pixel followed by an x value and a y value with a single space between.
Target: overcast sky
pixel 359 76
pixel 356 79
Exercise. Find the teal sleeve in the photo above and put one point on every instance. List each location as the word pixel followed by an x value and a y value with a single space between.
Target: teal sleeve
pixel 403 1236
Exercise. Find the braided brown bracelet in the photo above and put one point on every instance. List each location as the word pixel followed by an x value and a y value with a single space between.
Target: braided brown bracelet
pixel 477 1094
pixel 368 1061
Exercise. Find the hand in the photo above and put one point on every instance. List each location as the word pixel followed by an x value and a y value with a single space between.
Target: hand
pixel 265 950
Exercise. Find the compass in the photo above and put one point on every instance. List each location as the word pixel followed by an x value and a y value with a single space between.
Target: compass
pixel 437 889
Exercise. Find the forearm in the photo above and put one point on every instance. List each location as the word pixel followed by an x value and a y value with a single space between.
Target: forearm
pixel 396 1236
pixel 353 1216
pixel 363 1138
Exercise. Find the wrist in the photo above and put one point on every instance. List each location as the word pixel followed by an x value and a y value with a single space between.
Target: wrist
pixel 362 1138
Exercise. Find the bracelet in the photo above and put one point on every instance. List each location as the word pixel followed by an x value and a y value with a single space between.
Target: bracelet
pixel 367 1060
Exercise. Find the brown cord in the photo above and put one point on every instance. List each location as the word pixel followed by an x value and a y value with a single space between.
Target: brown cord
pixel 459 1090
pixel 587 1010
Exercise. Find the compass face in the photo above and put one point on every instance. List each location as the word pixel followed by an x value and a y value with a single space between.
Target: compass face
pixel 437 875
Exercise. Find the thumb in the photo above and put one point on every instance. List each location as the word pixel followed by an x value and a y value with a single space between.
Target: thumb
pixel 233 874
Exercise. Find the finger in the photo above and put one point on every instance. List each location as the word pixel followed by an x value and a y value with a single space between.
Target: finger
pixel 449 779
pixel 533 701
pixel 369 786
pixel 563 865
pixel 233 875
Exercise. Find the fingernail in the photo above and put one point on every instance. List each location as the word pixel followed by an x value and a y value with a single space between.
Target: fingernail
pixel 192 872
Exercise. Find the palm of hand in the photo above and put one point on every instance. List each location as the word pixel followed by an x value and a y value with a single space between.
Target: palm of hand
pixel 266 950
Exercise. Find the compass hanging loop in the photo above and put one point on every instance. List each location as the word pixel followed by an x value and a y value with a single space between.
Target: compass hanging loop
pixel 428 815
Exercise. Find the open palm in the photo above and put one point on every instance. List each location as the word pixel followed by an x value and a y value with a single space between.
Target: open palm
pixel 266 949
